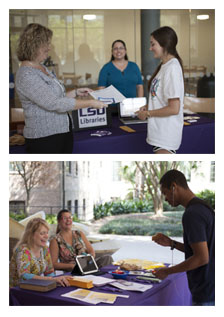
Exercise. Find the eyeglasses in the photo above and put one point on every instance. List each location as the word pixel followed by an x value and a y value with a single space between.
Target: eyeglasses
pixel 118 48
pixel 66 218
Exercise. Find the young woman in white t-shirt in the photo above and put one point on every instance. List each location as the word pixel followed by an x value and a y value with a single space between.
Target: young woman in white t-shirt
pixel 166 94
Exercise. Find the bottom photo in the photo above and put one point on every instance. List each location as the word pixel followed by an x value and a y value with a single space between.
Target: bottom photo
pixel 118 233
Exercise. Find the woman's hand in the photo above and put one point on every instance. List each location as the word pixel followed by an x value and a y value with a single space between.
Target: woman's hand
pixel 143 108
pixel 97 104
pixel 142 113
pixel 71 94
pixel 62 280
pixel 83 92
pixel 90 103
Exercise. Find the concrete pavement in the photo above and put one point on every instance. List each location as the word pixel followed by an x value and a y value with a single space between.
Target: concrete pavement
pixel 138 247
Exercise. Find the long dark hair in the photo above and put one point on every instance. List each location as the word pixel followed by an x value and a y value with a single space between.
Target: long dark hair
pixel 126 56
pixel 59 216
pixel 167 39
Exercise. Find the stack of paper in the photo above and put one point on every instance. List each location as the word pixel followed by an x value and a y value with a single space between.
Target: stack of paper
pixel 91 297
pixel 144 264
pixel 108 95
pixel 97 280
pixel 131 286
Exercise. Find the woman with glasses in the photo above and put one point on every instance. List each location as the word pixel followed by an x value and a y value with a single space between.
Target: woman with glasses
pixel 124 75
pixel 68 243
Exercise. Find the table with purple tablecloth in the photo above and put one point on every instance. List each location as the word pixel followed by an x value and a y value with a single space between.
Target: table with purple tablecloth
pixel 198 138
pixel 173 291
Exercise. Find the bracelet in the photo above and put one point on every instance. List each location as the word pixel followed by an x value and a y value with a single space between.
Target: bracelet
pixel 173 244
pixel 149 115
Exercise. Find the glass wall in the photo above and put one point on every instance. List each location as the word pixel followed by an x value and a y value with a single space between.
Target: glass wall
pixel 82 39
pixel 82 43
pixel 196 35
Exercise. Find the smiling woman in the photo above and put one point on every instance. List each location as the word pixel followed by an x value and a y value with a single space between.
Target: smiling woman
pixel 68 243
pixel 31 258
pixel 121 73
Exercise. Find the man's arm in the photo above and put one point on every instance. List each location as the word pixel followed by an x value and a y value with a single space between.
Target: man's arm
pixel 199 258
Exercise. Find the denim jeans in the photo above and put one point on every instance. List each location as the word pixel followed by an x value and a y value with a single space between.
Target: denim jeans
pixel 212 303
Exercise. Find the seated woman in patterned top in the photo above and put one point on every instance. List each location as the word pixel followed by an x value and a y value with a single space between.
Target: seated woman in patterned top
pixel 68 243
pixel 31 258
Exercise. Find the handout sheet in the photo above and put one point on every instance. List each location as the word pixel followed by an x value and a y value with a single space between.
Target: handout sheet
pixel 131 286
pixel 97 280
pixel 91 297
pixel 108 95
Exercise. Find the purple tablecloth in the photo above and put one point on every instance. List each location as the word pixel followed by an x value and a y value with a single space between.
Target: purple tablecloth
pixel 173 291
pixel 198 138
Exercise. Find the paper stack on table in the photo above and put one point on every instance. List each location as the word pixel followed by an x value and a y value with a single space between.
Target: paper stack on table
pixel 108 95
pixel 97 280
pixel 91 297
pixel 143 264
pixel 131 286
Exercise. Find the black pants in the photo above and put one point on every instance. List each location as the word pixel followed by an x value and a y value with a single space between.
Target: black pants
pixel 61 143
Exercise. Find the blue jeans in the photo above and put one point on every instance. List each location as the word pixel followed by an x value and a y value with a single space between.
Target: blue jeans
pixel 212 303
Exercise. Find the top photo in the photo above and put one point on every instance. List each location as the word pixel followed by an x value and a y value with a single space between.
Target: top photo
pixel 112 81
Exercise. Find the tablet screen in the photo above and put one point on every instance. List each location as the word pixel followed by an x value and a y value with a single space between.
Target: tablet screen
pixel 129 106
pixel 86 264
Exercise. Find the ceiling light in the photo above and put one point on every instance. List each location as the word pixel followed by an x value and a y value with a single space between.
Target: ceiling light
pixel 203 17
pixel 89 17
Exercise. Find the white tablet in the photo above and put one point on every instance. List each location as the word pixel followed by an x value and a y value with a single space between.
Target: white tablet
pixel 129 106
pixel 85 264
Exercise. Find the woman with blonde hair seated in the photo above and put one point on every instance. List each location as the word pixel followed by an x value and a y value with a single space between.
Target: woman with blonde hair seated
pixel 31 258
pixel 68 243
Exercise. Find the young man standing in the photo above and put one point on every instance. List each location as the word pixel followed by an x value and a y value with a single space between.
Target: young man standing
pixel 199 239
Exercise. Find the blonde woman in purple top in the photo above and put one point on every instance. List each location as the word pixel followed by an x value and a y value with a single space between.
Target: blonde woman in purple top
pixel 46 104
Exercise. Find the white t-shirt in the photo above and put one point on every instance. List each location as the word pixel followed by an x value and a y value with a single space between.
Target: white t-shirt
pixel 166 132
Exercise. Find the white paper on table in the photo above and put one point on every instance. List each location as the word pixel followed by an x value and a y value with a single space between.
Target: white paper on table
pixel 188 111
pixel 97 280
pixel 90 296
pixel 108 95
pixel 131 286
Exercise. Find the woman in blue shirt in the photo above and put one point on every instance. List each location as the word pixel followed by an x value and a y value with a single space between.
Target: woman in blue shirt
pixel 124 75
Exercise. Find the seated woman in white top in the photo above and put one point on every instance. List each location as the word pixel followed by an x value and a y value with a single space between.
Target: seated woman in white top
pixel 166 94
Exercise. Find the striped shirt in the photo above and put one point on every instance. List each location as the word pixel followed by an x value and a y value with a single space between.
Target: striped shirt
pixel 44 102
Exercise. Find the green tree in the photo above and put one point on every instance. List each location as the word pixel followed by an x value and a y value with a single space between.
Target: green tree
pixel 33 174
pixel 145 176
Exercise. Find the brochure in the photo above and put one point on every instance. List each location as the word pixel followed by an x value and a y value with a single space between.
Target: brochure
pixel 108 95
pixel 91 297
pixel 131 286
pixel 97 280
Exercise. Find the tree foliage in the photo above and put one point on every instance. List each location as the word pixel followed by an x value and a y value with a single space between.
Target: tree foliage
pixel 33 174
pixel 145 177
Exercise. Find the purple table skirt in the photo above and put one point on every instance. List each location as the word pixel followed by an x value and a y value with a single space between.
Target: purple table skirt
pixel 198 138
pixel 173 291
